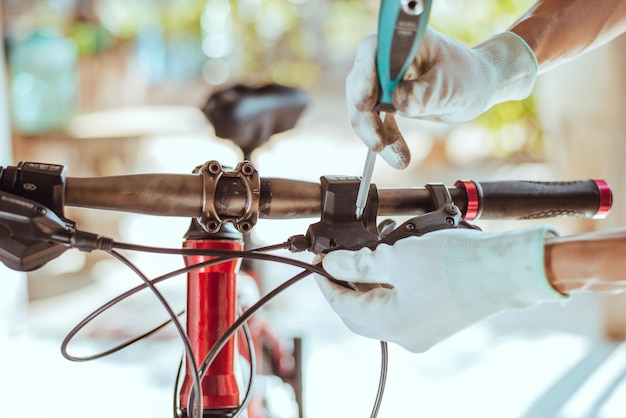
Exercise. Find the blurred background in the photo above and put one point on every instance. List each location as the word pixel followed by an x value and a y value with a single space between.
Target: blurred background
pixel 110 87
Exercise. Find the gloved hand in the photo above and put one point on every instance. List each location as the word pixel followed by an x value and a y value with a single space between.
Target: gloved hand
pixel 447 82
pixel 442 282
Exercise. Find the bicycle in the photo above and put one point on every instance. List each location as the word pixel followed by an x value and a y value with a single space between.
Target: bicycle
pixel 224 205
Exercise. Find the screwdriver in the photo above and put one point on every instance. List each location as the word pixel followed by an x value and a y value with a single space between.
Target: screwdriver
pixel 401 27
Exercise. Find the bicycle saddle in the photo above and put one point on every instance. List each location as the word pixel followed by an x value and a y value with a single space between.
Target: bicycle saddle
pixel 249 116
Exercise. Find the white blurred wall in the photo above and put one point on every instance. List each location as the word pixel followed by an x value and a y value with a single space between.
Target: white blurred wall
pixel 583 110
pixel 13 289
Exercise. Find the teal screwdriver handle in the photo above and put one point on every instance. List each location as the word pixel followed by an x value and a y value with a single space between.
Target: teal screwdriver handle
pixel 401 27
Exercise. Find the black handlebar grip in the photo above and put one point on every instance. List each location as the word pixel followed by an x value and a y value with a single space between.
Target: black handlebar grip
pixel 590 198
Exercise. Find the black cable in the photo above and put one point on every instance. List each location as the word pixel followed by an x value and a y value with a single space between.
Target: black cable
pixel 252 353
pixel 273 247
pixel 70 336
pixel 252 254
pixel 175 398
pixel 231 254
pixel 248 395
pixel 174 319
pixel 221 256
pixel 384 359
pixel 93 315
pixel 225 255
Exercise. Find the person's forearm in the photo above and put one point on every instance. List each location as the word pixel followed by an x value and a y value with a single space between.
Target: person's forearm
pixel 558 30
pixel 588 262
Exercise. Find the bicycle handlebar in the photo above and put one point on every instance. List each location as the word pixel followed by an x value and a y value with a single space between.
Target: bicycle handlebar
pixel 214 195
pixel 182 195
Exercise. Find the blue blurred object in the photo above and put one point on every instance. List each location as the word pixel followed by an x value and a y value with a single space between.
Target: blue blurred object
pixel 163 57
pixel 44 82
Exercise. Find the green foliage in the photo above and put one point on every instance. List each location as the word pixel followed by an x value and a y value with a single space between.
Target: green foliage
pixel 473 22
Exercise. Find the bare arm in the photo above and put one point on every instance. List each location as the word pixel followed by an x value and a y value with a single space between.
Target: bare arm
pixel 558 30
pixel 593 262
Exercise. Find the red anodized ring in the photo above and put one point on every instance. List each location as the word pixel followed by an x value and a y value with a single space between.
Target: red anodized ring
pixel 473 199
pixel 606 199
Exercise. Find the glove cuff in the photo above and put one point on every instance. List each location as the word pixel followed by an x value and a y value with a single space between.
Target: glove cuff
pixel 510 271
pixel 512 64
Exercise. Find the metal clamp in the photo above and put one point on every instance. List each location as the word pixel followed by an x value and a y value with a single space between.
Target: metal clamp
pixel 245 173
pixel 338 226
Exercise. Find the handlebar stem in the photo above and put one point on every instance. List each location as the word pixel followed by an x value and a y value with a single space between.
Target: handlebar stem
pixel 246 178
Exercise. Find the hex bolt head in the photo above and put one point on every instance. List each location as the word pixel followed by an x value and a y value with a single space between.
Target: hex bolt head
pixel 451 209
pixel 247 169
pixel 244 226
pixel 214 167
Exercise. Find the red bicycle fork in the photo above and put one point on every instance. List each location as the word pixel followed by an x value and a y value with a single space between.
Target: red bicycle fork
pixel 211 309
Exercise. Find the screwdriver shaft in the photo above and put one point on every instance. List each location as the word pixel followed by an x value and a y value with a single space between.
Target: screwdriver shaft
pixel 364 186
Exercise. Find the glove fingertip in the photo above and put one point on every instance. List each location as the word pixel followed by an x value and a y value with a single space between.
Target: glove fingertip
pixel 396 152
pixel 397 155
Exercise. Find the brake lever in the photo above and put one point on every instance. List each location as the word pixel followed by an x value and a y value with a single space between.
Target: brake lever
pixel 446 216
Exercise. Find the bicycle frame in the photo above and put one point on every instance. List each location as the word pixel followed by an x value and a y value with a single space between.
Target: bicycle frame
pixel 213 305
pixel 211 309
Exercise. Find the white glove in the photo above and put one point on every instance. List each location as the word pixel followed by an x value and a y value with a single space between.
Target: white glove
pixel 447 82
pixel 442 282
